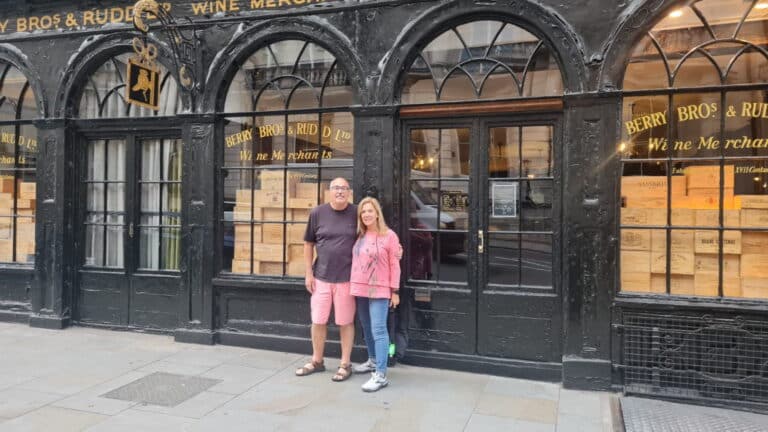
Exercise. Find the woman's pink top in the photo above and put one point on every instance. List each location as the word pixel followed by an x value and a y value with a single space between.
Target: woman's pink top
pixel 375 268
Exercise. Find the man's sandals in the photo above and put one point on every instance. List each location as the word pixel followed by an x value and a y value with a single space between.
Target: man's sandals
pixel 343 373
pixel 310 368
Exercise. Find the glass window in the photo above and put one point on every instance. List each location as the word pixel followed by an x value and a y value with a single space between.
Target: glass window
pixel 482 60
pixel 279 161
pixel 439 204
pixel 104 93
pixel 18 162
pixel 694 185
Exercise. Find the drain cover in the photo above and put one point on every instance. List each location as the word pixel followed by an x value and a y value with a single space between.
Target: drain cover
pixel 162 389
pixel 643 415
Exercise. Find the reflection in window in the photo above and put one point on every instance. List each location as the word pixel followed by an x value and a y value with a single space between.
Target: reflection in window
pixel 18 162
pixel 694 186
pixel 482 60
pixel 439 203
pixel 277 167
pixel 104 93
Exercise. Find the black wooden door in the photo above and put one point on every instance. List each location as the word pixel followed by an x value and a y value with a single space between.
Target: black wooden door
pixel 129 223
pixel 483 209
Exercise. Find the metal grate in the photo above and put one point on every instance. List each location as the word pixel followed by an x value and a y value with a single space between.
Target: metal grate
pixel 722 360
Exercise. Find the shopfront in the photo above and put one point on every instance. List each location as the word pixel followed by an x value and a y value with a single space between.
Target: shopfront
pixel 576 204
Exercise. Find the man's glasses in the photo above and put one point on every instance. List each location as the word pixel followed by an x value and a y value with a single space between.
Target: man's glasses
pixel 340 188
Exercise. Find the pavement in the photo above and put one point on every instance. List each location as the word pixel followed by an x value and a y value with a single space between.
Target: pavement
pixel 86 379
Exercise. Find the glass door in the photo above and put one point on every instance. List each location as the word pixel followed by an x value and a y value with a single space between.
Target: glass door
pixel 518 314
pixel 131 231
pixel 441 262
pixel 483 211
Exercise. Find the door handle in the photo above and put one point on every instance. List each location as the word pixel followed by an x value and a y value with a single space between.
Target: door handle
pixel 480 241
pixel 130 230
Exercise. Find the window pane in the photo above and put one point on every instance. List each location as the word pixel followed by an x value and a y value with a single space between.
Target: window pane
pixel 337 138
pixel 644 193
pixel 697 125
pixel 536 261
pixel 457 86
pixel 543 77
pixel 503 259
pixel 149 238
pixel 422 245
pixel 644 127
pixel 452 255
pixel 303 138
pixel 455 203
pixel 754 280
pixel 454 153
pixel 646 68
pixel 504 152
pixel 425 148
pixel 536 199
pixel 537 151
pixel 423 204
pixel 746 130
pixel 171 248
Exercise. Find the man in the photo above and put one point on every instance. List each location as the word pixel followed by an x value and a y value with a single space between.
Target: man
pixel 332 232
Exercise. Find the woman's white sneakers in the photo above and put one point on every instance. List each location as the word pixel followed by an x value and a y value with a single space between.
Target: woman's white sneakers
pixel 377 382
pixel 367 367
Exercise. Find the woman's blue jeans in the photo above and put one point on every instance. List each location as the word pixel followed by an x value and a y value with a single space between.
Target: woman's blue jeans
pixel 372 313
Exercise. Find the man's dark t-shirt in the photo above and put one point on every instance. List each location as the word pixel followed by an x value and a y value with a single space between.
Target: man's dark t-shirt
pixel 334 233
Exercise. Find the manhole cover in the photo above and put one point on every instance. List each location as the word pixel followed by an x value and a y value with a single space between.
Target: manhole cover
pixel 643 415
pixel 162 388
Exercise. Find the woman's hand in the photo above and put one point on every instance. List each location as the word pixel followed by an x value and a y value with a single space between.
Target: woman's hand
pixel 394 300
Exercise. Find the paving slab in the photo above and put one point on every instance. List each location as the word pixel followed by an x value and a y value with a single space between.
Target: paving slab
pixel 52 419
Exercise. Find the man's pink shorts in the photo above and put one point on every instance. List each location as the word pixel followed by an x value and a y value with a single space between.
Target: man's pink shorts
pixel 332 293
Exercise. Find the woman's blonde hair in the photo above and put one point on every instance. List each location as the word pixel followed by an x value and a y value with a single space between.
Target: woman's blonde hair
pixel 380 224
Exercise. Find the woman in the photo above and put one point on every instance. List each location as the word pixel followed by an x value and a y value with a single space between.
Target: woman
pixel 374 283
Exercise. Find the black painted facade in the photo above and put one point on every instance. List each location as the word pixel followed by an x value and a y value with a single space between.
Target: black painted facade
pixel 375 41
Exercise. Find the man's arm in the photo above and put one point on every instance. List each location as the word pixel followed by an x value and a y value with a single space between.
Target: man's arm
pixel 309 276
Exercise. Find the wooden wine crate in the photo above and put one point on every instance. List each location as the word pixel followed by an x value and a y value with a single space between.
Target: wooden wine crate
pixel 681 263
pixel 635 282
pixel 711 218
pixel 678 284
pixel 28 190
pixel 636 261
pixel 754 218
pixel 754 265
pixel 754 288
pixel 636 239
pixel 269 198
pixel 709 242
pixel 682 240
pixel 643 216
pixel 753 201
pixel 708 263
pixel 267 252
pixel 754 242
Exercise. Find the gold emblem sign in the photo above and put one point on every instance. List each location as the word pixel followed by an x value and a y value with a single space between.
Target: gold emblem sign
pixel 143 87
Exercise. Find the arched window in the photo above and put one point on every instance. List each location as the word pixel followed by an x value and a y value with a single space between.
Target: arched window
pixel 287 133
pixel 104 93
pixel 482 60
pixel 694 153
pixel 18 163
